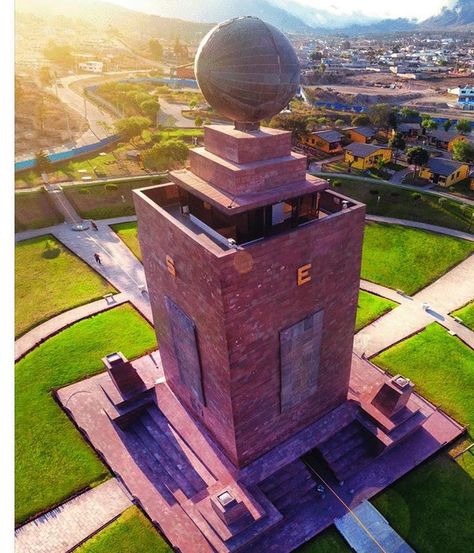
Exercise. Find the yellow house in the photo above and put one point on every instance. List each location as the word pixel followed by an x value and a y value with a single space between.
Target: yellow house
pixel 444 172
pixel 445 139
pixel 360 134
pixel 327 141
pixel 365 156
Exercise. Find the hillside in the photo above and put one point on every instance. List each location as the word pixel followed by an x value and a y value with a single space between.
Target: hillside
pixel 459 17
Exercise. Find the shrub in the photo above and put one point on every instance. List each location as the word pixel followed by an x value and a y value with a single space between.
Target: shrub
pixel 84 191
pixel 416 196
pixel 111 186
pixel 374 192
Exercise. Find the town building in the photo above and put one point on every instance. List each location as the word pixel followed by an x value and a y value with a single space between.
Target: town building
pixel 444 172
pixel 365 135
pixel 91 66
pixel 465 97
pixel 364 156
pixel 329 141
pixel 445 140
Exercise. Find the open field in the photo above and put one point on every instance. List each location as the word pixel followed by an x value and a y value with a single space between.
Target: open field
pixel 329 541
pixel 466 314
pixel 406 204
pixel 433 506
pixel 408 259
pixel 52 460
pixel 49 280
pixel 370 307
pixel 128 233
pixel 131 532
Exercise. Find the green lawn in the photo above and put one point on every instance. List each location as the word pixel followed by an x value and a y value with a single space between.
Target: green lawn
pixel 409 259
pixel 371 307
pixel 329 541
pixel 406 204
pixel 52 459
pixel 440 365
pixel 128 233
pixel 466 314
pixel 49 279
pixel 131 532
pixel 433 506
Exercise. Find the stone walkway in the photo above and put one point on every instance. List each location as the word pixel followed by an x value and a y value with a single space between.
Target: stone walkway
pixel 118 264
pixel 39 333
pixel 422 226
pixel 370 532
pixel 450 292
pixel 61 529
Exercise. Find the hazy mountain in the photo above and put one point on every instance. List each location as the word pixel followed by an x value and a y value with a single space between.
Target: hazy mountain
pixel 385 26
pixel 103 15
pixel 211 11
pixel 460 16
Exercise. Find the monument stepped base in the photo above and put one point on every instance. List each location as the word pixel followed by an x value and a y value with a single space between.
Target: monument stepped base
pixel 175 470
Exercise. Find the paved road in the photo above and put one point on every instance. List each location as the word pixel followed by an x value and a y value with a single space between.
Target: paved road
pixel 61 529
pixel 170 115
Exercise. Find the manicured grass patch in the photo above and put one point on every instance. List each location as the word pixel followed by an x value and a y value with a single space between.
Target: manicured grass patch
pixel 409 259
pixel 100 201
pixel 52 461
pixel 466 314
pixel 49 279
pixel 34 210
pixel 406 204
pixel 131 532
pixel 432 507
pixel 440 365
pixel 128 233
pixel 371 307
pixel 329 541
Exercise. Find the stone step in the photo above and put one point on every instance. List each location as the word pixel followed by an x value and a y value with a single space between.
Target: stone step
pixel 159 477
pixel 352 462
pixel 297 481
pixel 339 438
pixel 297 495
pixel 154 444
pixel 279 478
pixel 332 455
pixel 168 443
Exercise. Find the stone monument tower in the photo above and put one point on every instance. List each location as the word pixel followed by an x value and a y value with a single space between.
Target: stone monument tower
pixel 252 264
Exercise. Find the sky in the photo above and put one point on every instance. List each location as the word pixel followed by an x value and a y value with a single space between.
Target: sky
pixel 380 9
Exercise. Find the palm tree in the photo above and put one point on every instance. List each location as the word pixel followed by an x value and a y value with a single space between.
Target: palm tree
pixel 42 165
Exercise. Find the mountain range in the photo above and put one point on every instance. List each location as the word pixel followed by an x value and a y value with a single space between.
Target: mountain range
pixel 164 17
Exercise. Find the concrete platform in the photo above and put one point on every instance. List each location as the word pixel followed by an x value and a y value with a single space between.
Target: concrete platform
pixel 172 466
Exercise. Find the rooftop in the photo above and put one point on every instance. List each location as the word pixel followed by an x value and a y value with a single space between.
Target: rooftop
pixel 364 131
pixel 328 136
pixel 363 150
pixel 443 166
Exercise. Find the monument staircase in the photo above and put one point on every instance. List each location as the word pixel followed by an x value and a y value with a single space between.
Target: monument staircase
pixel 168 462
pixel 291 486
pixel 349 450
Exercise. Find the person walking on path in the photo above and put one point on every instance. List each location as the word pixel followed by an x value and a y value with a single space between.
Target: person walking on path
pixel 97 258
pixel 94 225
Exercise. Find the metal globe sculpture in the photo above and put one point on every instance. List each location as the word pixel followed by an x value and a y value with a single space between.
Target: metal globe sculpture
pixel 247 70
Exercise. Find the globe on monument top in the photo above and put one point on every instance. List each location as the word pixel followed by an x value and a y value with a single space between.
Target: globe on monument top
pixel 247 69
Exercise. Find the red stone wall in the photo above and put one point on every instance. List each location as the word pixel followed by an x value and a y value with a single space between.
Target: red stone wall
pixel 239 302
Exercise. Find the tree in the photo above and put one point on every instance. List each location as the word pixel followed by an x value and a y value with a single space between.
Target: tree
pixel 397 143
pixel 409 113
pixel 45 76
pixel 164 154
pixel 463 151
pixel 198 121
pixel 464 126
pixel 150 108
pixel 417 156
pixel 361 120
pixel 60 54
pixel 339 122
pixel 155 48
pixel 447 125
pixel 380 115
pixel 429 124
pixel 131 128
pixel 42 163
pixel 291 122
